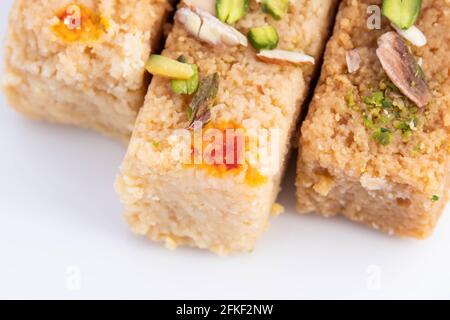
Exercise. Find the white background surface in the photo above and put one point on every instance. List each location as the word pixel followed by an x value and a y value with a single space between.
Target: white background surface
pixel 61 226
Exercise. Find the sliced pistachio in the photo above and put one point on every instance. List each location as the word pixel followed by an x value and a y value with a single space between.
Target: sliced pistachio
pixel 276 8
pixel 230 11
pixel 201 120
pixel 186 86
pixel 208 28
pixel 403 13
pixel 435 198
pixel 403 70
pixel 199 108
pixel 170 68
pixel 284 57
pixel 265 37
pixel 382 136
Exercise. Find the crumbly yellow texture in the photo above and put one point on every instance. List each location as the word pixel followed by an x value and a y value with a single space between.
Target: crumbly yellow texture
pixel 100 83
pixel 178 205
pixel 341 169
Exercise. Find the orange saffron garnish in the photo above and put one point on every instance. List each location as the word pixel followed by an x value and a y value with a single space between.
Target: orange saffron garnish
pixel 79 24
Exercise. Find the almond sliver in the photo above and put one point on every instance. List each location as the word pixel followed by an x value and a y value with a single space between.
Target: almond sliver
pixel 413 35
pixel 284 56
pixel 206 27
pixel 206 5
pixel 353 60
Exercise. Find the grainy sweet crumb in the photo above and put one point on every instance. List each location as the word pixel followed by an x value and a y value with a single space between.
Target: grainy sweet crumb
pixel 205 208
pixel 277 209
pixel 387 182
pixel 95 80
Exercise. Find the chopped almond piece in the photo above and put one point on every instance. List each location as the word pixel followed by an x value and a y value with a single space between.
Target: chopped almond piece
pixel 284 57
pixel 413 35
pixel 353 60
pixel 208 28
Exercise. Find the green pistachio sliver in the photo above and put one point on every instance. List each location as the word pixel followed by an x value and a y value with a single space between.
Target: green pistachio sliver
pixel 276 8
pixel 406 135
pixel 386 103
pixel 189 112
pixel 231 11
pixel 263 38
pixel 166 67
pixel 199 108
pixel 383 136
pixel 403 69
pixel 188 86
pixel 351 100
pixel 368 122
pixel 376 99
pixel 401 125
pixel 402 13
pixel 386 112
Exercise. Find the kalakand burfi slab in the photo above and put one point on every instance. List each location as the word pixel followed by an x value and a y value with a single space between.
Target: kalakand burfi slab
pixel 375 144
pixel 255 63
pixel 82 62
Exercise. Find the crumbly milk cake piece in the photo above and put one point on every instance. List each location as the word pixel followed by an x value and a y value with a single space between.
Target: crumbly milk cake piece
pixel 82 62
pixel 397 180
pixel 223 209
